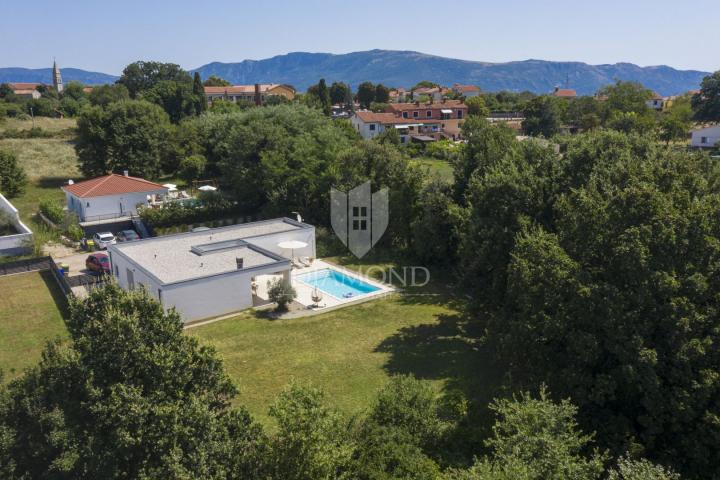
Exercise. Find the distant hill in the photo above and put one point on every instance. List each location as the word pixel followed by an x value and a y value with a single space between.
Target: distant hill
pixel 406 68
pixel 44 75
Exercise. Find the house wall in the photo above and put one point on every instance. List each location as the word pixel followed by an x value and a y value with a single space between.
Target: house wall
pixel 14 244
pixel 711 134
pixel 108 206
pixel 364 128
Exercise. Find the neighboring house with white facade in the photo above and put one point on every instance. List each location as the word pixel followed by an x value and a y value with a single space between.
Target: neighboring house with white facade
pixel 656 102
pixel 111 196
pixel 17 240
pixel 707 137
pixel 257 93
pixel 210 273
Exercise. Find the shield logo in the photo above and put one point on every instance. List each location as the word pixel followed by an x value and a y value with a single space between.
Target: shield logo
pixel 359 217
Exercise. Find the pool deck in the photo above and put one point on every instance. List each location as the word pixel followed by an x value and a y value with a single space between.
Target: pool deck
pixel 304 291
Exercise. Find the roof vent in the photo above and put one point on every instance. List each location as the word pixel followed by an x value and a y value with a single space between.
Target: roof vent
pixel 71 182
pixel 126 173
pixel 239 261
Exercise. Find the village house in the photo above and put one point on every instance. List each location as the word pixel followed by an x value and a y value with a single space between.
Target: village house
pixel 656 102
pixel 706 137
pixel 467 91
pixel 26 89
pixel 564 93
pixel 256 94
pixel 414 121
pixel 110 197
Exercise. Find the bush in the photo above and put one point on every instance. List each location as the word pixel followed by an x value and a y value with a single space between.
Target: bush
pixel 52 211
pixel 281 293
pixel 12 176
pixel 212 206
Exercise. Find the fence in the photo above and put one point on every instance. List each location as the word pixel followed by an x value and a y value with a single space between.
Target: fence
pixel 37 265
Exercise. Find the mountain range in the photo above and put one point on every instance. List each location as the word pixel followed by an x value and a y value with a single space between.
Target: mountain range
pixel 406 68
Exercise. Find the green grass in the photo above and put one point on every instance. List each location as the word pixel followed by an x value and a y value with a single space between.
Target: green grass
pixel 51 125
pixel 433 165
pixel 48 162
pixel 31 313
pixel 351 352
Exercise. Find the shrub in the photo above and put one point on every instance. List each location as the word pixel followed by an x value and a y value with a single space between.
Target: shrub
pixel 281 293
pixel 52 211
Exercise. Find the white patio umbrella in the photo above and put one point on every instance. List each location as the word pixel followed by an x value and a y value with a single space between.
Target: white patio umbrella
pixel 292 245
pixel 171 187
pixel 207 188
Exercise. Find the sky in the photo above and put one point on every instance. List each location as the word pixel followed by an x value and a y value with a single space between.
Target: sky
pixel 106 36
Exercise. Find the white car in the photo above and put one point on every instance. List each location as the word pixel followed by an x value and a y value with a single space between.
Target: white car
pixel 103 239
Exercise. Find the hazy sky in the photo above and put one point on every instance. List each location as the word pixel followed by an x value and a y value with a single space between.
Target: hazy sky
pixel 105 36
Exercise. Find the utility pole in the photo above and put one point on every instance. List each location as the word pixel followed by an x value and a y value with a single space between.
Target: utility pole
pixel 32 116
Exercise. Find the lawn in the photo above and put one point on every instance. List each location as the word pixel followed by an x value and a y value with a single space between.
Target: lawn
pixel 31 313
pixel 442 167
pixel 51 125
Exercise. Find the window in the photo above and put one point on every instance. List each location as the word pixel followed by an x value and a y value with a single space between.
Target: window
pixel 117 271
pixel 87 204
pixel 372 127
pixel 359 218
pixel 416 114
pixel 703 140
pixel 428 114
pixel 405 115
pixel 460 113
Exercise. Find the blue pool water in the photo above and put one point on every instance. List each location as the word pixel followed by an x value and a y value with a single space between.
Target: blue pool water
pixel 336 283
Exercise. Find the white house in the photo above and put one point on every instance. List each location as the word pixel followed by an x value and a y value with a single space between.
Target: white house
pixel 15 241
pixel 210 273
pixel 656 102
pixel 110 196
pixel 467 91
pixel 707 137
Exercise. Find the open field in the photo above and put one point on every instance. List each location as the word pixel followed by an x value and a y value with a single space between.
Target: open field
pixel 442 167
pixel 51 125
pixel 31 312
pixel 48 162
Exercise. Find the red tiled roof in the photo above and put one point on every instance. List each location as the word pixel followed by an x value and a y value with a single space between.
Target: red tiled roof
pixel 112 184
pixel 24 86
pixel 565 92
pixel 466 88
pixel 388 118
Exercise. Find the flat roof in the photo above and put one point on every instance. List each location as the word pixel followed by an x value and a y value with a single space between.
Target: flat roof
pixel 172 258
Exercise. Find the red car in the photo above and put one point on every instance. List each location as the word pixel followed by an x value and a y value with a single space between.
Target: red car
pixel 98 262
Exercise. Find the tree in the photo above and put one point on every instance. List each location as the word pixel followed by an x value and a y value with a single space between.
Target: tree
pixel 324 97
pixel 365 94
pixel 543 116
pixel 311 441
pixel 626 97
pixel 706 103
pixel 130 135
pixel 435 238
pixel 676 122
pixel 199 91
pixel 215 81
pixel 629 469
pixel 131 396
pixel 176 98
pixel 192 167
pixel 544 437
pixel 382 93
pixel 425 84
pixel 106 94
pixel 282 293
pixel 12 176
pixel 476 106
pixel 141 76
pixel 339 92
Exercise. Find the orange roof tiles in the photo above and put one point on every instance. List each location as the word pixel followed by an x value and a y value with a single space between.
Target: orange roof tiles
pixel 112 184
pixel 565 93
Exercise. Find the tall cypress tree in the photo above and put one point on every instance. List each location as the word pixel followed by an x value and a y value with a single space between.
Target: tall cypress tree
pixel 199 92
pixel 324 95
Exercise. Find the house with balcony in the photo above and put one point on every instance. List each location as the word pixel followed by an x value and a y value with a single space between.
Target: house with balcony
pixel 415 122
pixel 256 94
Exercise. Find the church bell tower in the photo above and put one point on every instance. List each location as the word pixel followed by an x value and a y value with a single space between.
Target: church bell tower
pixel 57 79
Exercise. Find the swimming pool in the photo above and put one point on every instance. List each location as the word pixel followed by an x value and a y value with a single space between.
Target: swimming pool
pixel 336 284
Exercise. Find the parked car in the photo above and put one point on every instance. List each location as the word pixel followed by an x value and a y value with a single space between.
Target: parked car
pixel 128 236
pixel 104 239
pixel 200 229
pixel 98 262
